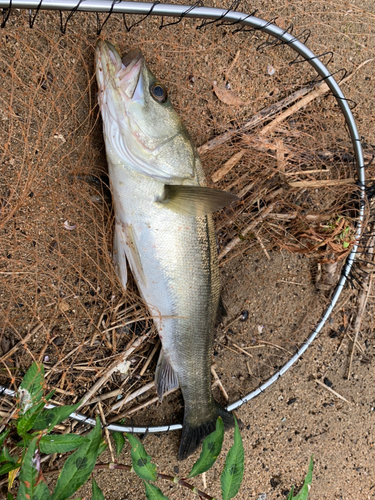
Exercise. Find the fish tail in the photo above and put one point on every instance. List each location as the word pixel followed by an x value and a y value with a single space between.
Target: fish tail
pixel 192 436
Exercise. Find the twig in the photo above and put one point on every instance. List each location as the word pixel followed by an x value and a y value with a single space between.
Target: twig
pixel 111 369
pixel 103 397
pixel 294 215
pixel 331 390
pixel 242 350
pixel 276 346
pixel 323 183
pixel 232 64
pixel 262 246
pixel 323 89
pixel 262 215
pixel 204 481
pixel 132 396
pixel 314 171
pixel 145 366
pixel 21 342
pixel 362 301
pixel 260 117
pixel 218 383
pixel 106 431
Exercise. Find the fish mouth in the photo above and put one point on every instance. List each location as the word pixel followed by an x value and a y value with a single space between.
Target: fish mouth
pixel 125 72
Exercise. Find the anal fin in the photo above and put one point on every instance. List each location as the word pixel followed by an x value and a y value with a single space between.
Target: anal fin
pixel 165 377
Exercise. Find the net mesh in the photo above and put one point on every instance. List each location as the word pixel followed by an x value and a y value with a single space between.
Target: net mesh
pixel 281 247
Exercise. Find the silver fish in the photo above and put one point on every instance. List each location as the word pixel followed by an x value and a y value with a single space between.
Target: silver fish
pixel 164 230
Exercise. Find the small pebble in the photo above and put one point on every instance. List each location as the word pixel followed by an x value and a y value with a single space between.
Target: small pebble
pixel 244 315
pixel 327 382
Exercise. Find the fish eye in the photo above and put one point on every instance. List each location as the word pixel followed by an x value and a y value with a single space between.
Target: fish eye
pixel 159 92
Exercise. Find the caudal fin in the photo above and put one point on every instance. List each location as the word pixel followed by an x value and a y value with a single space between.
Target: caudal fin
pixel 193 436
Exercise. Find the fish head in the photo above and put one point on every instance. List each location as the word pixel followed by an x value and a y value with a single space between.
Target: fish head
pixel 140 124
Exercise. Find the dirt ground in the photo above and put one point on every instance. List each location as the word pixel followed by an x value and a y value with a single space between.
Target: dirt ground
pixel 56 232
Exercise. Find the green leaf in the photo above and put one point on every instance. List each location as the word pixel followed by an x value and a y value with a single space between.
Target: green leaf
pixel 30 391
pixel 4 469
pixel 97 493
pixel 304 493
pixel 153 492
pixel 5 456
pixel 78 466
pixel 232 474
pixel 3 437
pixel 47 419
pixel 141 462
pixel 26 421
pixel 102 447
pixel 119 442
pixel 290 496
pixel 29 472
pixel 60 443
pixel 10 496
pixel 211 449
pixel 42 492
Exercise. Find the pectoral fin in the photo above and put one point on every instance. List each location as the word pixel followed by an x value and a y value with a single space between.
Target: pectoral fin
pixel 195 200
pixel 165 377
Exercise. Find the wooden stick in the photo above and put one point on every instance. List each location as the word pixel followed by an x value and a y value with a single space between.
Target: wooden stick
pixel 106 431
pixel 242 350
pixel 323 183
pixel 262 246
pixel 145 366
pixel 323 89
pixel 111 369
pixel 331 390
pixel 316 171
pixel 22 342
pixel 108 395
pixel 218 382
pixel 134 395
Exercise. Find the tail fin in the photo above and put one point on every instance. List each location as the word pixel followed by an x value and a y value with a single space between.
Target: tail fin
pixel 193 436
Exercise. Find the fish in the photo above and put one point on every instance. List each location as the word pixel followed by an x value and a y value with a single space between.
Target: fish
pixel 164 230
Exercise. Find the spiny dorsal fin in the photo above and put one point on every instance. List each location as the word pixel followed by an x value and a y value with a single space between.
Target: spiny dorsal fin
pixel 195 200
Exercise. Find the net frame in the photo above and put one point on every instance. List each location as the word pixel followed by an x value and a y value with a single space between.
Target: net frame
pixel 281 36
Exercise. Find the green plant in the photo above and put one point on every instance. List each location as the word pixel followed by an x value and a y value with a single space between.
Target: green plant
pixel 34 423
pixel 304 493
